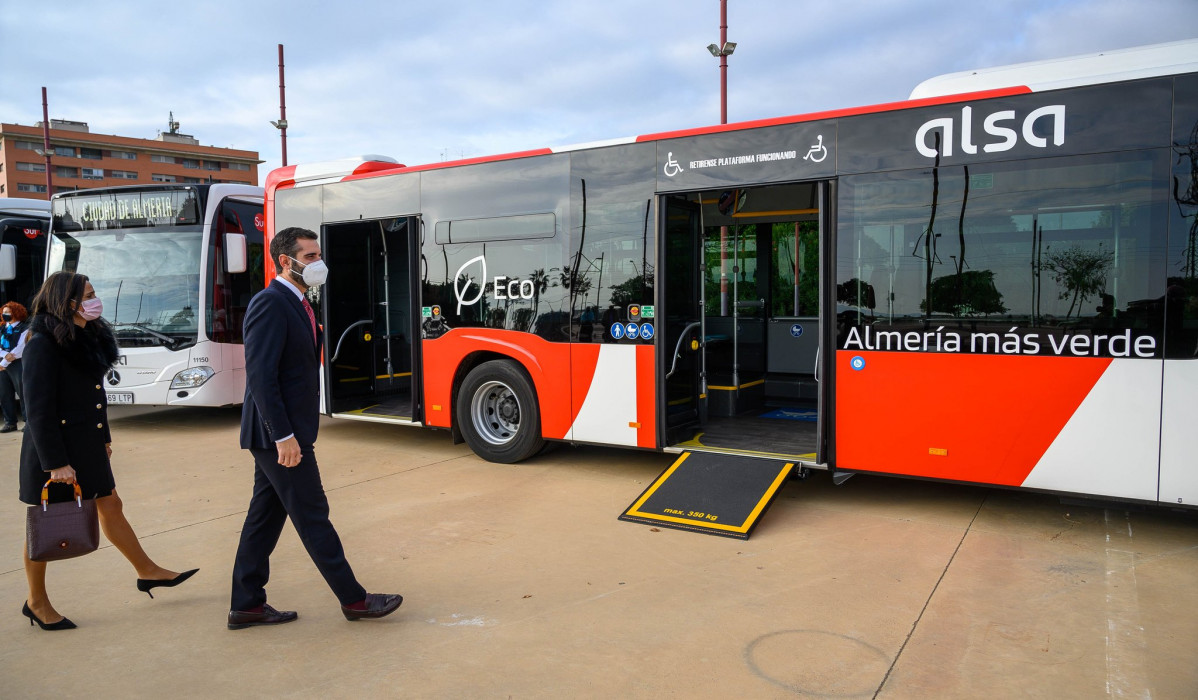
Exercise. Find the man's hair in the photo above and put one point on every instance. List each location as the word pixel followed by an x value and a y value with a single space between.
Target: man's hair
pixel 286 242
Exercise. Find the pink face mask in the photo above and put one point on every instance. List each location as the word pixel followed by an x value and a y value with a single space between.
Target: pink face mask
pixel 91 309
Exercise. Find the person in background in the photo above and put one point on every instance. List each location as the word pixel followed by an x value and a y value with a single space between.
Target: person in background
pixel 12 344
pixel 67 437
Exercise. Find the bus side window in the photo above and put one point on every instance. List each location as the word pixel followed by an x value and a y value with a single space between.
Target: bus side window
pixel 231 292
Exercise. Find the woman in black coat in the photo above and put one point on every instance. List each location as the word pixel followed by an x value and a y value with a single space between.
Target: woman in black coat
pixel 66 433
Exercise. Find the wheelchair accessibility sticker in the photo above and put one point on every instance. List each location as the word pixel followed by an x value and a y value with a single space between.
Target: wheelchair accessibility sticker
pixel 857 363
pixel 671 168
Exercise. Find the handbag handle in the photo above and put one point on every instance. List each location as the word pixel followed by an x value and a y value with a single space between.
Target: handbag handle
pixel 46 493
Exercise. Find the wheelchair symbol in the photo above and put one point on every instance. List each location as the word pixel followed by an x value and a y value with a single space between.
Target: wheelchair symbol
pixel 817 148
pixel 672 168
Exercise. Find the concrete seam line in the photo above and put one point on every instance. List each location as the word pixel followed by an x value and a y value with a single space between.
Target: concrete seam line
pixel 931 594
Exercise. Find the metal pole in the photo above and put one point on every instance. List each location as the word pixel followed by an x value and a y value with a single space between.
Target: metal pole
pixel 46 143
pixel 723 62
pixel 282 107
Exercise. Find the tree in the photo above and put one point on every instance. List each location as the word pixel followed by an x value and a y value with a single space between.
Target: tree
pixel 970 293
pixel 1079 272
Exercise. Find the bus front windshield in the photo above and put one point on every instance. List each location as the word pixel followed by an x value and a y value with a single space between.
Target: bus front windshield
pixel 148 278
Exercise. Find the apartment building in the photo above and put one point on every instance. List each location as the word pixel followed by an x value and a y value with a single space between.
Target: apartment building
pixel 80 159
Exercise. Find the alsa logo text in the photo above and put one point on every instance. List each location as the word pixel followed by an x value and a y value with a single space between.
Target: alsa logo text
pixel 937 136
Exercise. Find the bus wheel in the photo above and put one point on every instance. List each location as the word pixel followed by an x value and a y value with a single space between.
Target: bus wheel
pixel 498 414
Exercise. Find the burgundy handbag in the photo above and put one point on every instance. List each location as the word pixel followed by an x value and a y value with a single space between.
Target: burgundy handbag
pixel 56 531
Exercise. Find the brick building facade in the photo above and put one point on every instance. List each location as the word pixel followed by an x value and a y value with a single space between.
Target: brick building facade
pixel 80 160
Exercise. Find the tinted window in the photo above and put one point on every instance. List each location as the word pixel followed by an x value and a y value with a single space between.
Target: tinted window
pixel 230 293
pixel 1043 257
pixel 1182 264
pixel 612 257
pixel 509 284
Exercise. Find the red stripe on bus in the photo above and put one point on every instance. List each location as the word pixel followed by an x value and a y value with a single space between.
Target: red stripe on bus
pixel 547 365
pixel 393 169
pixel 981 418
pixel 280 178
pixel 646 397
pixel 836 113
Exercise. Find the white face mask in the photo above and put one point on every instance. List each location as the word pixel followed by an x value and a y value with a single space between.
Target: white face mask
pixel 91 309
pixel 314 274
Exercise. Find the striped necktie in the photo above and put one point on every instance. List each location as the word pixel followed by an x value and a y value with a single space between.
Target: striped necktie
pixel 311 316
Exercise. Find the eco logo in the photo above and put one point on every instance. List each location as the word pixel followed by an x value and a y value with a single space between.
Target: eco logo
pixel 462 282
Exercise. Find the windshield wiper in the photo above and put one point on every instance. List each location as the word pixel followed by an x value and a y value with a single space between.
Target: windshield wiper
pixel 171 343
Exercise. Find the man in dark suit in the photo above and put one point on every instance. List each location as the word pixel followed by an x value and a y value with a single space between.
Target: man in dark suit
pixel 279 421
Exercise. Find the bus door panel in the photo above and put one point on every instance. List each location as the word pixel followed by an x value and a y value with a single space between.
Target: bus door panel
pixel 1179 440
pixel 393 309
pixel 681 319
pixel 734 359
pixel 369 309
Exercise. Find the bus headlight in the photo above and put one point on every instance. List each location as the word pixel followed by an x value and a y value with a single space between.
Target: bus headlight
pixel 192 377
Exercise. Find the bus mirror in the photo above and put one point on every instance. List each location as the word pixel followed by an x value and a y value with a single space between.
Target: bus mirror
pixel 8 262
pixel 235 253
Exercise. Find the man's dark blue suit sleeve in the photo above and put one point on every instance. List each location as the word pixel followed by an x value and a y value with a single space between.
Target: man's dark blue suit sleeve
pixel 265 340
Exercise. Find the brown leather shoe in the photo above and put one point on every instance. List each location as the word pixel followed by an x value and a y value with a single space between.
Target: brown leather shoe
pixel 377 605
pixel 239 619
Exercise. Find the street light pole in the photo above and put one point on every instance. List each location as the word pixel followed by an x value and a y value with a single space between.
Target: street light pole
pixel 724 61
pixel 722 51
pixel 46 143
pixel 282 123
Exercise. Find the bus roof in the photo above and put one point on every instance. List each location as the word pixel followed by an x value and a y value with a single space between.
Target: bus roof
pixel 1087 69
pixel 24 207
pixel 1109 66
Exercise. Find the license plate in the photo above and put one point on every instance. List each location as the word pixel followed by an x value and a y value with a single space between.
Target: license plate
pixel 120 397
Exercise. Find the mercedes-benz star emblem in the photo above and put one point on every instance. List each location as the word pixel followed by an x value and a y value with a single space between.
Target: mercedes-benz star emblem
pixel 113 377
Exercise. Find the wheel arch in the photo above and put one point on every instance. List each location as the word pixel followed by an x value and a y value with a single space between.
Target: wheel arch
pixel 474 359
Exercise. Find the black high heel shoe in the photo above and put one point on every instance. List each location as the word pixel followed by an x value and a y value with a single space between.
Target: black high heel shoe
pixel 63 624
pixel 145 584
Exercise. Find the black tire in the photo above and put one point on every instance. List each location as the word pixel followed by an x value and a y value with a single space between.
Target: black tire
pixel 498 414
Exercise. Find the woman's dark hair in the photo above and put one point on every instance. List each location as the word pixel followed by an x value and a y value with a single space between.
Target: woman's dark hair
pixel 17 310
pixel 58 298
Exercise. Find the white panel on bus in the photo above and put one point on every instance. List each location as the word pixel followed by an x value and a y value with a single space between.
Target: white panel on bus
pixel 1171 58
pixel 610 404
pixel 1110 445
pixel 1179 435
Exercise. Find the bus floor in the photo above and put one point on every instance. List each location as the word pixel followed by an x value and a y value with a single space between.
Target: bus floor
pixel 395 406
pixel 784 432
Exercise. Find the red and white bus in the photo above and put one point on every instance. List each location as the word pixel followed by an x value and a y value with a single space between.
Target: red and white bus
pixel 998 287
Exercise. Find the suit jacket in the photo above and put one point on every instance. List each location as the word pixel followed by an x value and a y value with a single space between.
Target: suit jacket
pixel 282 370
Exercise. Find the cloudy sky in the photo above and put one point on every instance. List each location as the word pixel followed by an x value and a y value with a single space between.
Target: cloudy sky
pixel 424 81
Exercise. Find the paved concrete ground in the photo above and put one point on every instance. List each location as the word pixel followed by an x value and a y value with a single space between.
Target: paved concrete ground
pixel 519 581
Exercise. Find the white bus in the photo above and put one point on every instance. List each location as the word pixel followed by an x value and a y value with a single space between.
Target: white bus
pixel 23 225
pixel 176 266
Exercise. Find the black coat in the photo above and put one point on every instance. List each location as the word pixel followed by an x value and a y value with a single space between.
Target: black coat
pixel 66 407
pixel 282 371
